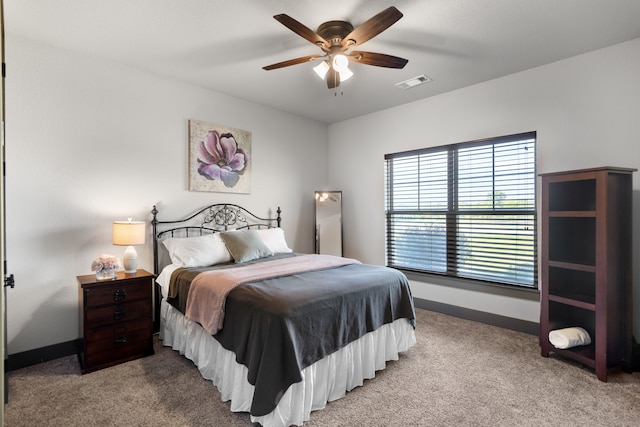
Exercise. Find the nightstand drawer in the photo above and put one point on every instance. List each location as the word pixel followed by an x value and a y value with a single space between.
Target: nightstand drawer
pixel 117 293
pixel 118 312
pixel 117 342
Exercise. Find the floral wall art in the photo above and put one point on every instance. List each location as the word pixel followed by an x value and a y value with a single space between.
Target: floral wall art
pixel 219 158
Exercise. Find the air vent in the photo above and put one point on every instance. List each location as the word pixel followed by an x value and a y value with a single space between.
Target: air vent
pixel 414 82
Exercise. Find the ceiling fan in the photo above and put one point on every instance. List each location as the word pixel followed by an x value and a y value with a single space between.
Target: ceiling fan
pixel 336 38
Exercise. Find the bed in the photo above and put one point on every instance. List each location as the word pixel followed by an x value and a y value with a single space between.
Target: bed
pixel 279 333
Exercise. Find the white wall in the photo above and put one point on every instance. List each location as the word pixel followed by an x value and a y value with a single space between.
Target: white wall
pixel 90 142
pixel 585 109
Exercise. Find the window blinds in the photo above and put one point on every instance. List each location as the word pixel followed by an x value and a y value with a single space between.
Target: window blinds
pixel 465 210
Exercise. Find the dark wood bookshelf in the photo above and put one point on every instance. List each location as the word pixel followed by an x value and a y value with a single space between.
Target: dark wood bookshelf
pixel 586 263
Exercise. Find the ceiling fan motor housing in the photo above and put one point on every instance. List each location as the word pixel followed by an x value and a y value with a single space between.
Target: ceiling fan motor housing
pixel 334 31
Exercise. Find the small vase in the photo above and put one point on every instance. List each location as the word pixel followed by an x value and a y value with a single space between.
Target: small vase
pixel 106 274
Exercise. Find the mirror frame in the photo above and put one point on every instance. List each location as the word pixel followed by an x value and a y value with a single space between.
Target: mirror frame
pixel 317 199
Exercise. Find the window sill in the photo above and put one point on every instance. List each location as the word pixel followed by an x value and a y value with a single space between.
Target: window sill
pixel 475 285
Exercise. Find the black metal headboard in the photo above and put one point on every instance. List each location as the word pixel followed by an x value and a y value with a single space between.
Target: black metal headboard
pixel 210 219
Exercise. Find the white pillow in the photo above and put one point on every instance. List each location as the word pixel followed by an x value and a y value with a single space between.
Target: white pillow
pixel 198 251
pixel 274 239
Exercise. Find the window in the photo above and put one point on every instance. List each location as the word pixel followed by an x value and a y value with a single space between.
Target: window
pixel 465 210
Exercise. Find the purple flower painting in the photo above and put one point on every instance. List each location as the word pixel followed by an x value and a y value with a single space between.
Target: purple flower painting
pixel 219 158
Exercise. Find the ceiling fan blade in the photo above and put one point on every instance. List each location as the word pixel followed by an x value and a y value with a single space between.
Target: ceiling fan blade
pixel 291 62
pixel 302 30
pixel 378 59
pixel 333 78
pixel 371 28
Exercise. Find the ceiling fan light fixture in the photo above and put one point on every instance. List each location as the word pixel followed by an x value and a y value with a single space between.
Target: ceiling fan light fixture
pixel 321 69
pixel 340 62
pixel 345 74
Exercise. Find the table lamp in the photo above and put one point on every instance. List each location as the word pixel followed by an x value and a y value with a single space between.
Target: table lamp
pixel 129 233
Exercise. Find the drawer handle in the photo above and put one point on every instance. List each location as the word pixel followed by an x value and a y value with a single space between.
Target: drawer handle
pixel 119 294
pixel 121 339
pixel 120 313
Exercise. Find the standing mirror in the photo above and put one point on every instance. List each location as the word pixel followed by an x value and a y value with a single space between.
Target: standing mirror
pixel 329 222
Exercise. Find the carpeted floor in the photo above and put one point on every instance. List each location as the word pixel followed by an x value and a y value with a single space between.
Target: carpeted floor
pixel 461 373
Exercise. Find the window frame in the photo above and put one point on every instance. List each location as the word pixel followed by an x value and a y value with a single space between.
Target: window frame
pixel 453 213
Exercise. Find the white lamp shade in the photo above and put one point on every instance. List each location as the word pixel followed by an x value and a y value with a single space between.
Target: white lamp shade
pixel 345 74
pixel 340 62
pixel 321 69
pixel 126 233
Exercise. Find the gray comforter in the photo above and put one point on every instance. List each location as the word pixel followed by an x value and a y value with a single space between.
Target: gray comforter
pixel 278 327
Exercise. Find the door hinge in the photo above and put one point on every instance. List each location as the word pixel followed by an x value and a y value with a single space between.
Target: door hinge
pixel 9 281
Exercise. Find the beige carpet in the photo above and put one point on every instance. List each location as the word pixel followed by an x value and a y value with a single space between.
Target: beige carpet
pixel 461 373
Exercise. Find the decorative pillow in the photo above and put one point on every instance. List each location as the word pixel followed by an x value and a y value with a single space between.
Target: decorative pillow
pixel 245 245
pixel 274 239
pixel 198 251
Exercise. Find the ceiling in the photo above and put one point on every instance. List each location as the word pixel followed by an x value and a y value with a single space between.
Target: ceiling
pixel 223 45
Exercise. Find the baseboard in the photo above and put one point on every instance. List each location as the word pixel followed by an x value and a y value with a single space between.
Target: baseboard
pixel 480 316
pixel 42 354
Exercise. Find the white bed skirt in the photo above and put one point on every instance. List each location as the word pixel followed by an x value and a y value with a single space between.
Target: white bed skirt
pixel 326 380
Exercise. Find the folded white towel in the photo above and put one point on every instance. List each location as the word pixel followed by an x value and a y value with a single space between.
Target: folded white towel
pixel 569 337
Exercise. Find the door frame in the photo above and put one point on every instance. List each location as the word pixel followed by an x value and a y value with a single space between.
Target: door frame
pixel 3 350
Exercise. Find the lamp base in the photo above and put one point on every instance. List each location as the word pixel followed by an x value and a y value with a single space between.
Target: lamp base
pixel 130 260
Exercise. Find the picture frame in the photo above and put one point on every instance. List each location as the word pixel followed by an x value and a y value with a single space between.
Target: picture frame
pixel 219 158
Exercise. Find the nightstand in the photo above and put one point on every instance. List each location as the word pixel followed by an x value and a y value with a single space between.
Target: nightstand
pixel 116 319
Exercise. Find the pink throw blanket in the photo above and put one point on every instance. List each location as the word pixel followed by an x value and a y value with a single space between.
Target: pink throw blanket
pixel 209 290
